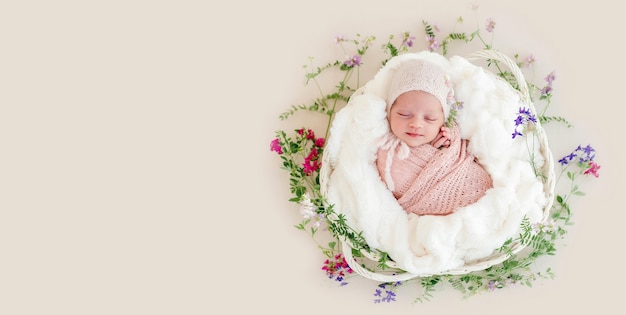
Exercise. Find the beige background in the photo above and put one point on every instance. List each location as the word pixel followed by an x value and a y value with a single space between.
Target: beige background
pixel 136 176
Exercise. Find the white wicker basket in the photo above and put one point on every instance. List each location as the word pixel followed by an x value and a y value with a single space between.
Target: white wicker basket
pixel 393 273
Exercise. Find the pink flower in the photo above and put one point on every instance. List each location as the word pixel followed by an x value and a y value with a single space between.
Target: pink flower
pixel 311 163
pixel 310 134
pixel 319 142
pixel 275 146
pixel 593 169
pixel 337 268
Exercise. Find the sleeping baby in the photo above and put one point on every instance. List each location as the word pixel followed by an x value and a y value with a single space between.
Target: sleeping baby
pixel 423 161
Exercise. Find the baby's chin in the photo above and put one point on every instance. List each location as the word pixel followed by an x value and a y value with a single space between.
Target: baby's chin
pixel 414 144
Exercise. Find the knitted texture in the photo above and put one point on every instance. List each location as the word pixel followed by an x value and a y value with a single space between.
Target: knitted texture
pixel 420 75
pixel 433 181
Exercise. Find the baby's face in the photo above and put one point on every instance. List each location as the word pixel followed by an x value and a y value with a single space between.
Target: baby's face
pixel 416 117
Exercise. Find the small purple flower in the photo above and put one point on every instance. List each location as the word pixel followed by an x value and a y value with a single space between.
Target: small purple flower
pixel 530 60
pixel 493 285
pixel 589 151
pixel 433 44
pixel 391 296
pixel 389 290
pixel 524 117
pixel 550 77
pixel 491 24
pixel 580 155
pixel 408 39
pixel 339 39
pixel 583 157
pixel 547 90
pixel 354 61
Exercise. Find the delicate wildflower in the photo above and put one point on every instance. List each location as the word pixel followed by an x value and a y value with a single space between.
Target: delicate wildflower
pixel 354 61
pixel 339 39
pixel 549 226
pixel 593 169
pixel 308 133
pixel 493 284
pixel 308 211
pixel 583 157
pixel 550 77
pixel 524 117
pixel 275 146
pixel 391 296
pixel 433 44
pixel 337 269
pixel 319 142
pixel 389 290
pixel 547 90
pixel 378 292
pixel 307 208
pixel 511 282
pixel 491 24
pixel 311 162
pixel 580 155
pixel 319 219
pixel 407 40
pixel 544 227
pixel 529 60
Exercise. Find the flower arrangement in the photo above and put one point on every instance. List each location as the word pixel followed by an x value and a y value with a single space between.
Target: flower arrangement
pixel 301 151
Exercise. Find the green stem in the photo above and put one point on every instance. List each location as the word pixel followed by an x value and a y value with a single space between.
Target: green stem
pixel 331 113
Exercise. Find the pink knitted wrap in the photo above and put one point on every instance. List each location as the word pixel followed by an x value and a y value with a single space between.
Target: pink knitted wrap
pixel 433 181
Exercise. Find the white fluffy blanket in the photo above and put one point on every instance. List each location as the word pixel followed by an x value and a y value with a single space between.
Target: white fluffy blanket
pixel 427 245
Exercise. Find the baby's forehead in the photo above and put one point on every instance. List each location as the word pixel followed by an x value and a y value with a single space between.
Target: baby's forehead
pixel 417 100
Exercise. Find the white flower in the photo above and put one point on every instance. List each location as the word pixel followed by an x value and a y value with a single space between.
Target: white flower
pixel 307 208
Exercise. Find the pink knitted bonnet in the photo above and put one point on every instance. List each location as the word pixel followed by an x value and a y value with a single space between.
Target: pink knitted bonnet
pixel 420 75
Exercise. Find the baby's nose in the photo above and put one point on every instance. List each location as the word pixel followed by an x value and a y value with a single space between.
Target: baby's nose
pixel 415 123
